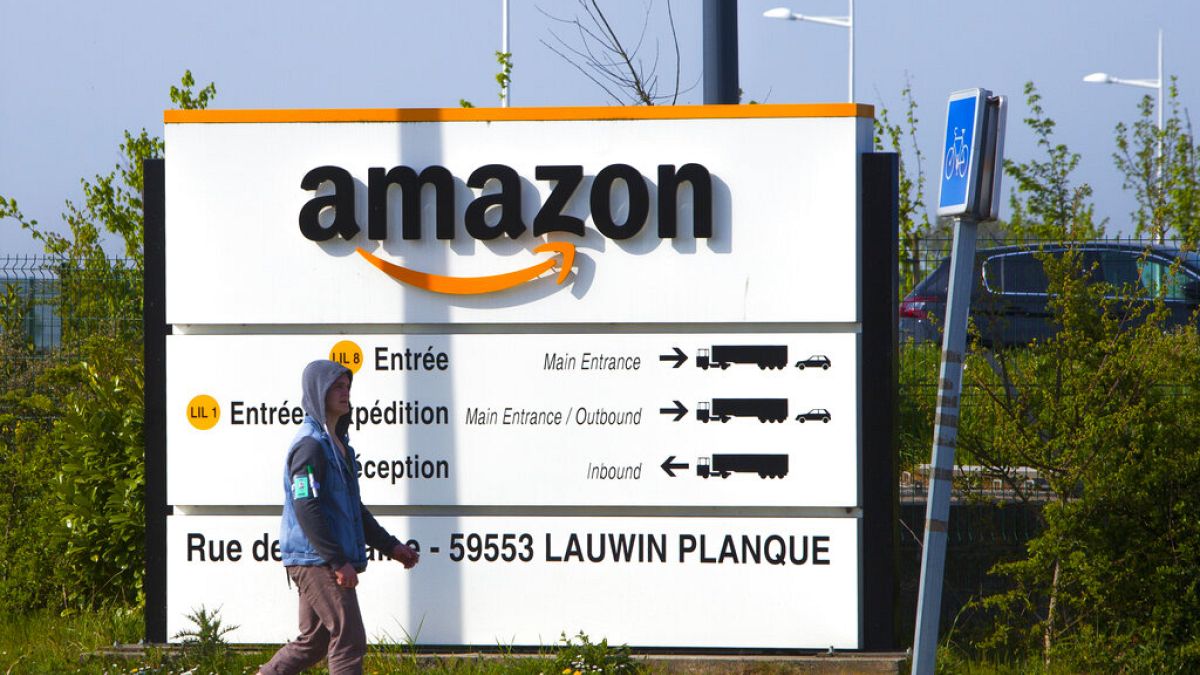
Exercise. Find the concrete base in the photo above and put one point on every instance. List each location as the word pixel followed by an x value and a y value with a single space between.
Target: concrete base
pixel 840 662
pixel 822 663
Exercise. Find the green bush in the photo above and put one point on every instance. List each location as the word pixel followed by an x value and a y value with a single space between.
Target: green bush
pixel 72 500
pixel 1108 413
pixel 100 485
pixel 916 402
pixel 26 502
pixel 578 655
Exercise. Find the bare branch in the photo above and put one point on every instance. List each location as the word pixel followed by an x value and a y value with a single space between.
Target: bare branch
pixel 607 61
pixel 674 39
pixel 586 74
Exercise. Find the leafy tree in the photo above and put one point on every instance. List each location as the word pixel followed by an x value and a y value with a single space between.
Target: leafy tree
pixel 504 77
pixel 1045 203
pixel 1162 169
pixel 185 99
pixel 26 496
pixel 71 419
pixel 915 226
pixel 1108 414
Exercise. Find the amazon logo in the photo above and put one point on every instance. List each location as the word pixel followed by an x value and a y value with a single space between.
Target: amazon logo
pixel 336 206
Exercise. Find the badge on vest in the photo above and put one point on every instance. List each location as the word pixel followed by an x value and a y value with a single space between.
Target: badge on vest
pixel 301 487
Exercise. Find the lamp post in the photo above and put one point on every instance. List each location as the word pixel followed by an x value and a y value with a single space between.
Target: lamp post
pixel 1157 83
pixel 504 49
pixel 1105 78
pixel 846 22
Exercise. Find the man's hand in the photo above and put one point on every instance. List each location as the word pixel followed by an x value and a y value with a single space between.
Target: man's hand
pixel 346 576
pixel 405 555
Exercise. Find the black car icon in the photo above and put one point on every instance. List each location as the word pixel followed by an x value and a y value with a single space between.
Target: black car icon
pixel 814 414
pixel 814 361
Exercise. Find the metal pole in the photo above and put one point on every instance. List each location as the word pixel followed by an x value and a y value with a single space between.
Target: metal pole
pixel 720 51
pixel 851 30
pixel 945 439
pixel 504 49
pixel 1162 235
pixel 1160 87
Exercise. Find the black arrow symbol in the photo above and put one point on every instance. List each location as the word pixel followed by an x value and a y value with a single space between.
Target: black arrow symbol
pixel 678 357
pixel 667 466
pixel 678 411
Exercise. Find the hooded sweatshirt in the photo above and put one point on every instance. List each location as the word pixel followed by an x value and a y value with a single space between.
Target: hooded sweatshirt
pixel 324 521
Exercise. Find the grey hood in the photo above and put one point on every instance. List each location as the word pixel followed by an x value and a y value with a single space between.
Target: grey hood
pixel 318 377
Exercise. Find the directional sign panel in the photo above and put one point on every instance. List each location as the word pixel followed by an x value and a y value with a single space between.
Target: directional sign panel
pixel 960 152
pixel 647 581
pixel 607 419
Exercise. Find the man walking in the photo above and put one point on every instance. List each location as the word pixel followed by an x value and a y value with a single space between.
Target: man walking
pixel 326 530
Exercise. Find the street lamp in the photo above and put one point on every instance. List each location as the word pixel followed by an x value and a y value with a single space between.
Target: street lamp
pixel 846 22
pixel 1105 78
pixel 504 49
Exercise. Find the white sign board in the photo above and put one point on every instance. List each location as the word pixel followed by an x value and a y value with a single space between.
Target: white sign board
pixel 783 210
pixel 685 582
pixel 573 331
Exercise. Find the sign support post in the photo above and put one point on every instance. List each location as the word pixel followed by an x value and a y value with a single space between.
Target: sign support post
pixel 970 190
pixel 154 324
pixel 945 437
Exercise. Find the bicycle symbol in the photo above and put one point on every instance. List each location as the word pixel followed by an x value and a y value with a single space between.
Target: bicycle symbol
pixel 956 155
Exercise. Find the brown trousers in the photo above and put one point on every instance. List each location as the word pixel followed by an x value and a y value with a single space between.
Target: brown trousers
pixel 330 622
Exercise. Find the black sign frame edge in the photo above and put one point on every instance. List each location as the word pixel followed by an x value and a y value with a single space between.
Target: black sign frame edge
pixel 154 345
pixel 879 565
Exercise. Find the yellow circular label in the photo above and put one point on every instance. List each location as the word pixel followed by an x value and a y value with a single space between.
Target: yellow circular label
pixel 348 354
pixel 203 412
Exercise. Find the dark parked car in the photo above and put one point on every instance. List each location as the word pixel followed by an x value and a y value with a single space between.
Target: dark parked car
pixel 1009 294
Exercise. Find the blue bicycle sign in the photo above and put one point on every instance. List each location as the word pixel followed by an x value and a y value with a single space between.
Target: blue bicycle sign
pixel 956 155
pixel 960 166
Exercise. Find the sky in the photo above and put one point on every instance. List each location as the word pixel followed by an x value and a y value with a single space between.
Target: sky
pixel 75 75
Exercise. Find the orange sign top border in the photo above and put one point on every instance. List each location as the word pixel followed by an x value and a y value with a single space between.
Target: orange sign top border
pixel 581 113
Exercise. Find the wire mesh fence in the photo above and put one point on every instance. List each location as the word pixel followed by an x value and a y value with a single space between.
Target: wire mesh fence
pixel 51 311
pixel 921 256
pixel 30 290
pixel 52 304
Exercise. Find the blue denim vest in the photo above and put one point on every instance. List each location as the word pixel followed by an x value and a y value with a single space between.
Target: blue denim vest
pixel 339 500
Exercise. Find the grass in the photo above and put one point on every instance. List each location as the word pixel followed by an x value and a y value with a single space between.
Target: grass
pixel 953 660
pixel 44 642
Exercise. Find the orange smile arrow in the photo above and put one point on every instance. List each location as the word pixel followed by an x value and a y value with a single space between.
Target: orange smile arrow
pixel 477 285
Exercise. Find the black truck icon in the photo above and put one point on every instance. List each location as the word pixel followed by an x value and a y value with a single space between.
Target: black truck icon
pixel 763 356
pixel 766 466
pixel 725 409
